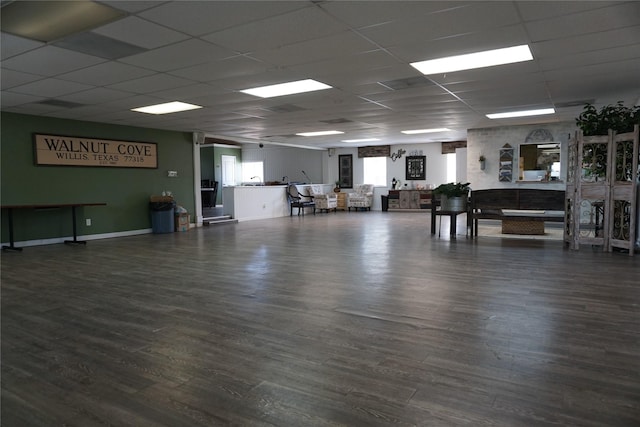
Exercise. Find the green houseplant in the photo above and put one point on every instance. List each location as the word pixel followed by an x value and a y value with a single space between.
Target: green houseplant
pixel 615 117
pixel 453 196
pixel 593 122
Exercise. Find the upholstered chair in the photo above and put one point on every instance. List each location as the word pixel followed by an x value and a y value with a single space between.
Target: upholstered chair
pixel 324 201
pixel 361 198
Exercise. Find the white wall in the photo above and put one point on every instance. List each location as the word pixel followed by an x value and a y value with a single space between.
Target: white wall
pixel 435 173
pixel 282 161
pixel 287 161
pixel 488 142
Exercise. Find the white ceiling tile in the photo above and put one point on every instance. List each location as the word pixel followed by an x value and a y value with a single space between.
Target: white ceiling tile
pixel 591 42
pixel 204 17
pixel 618 16
pixel 11 99
pixel 186 93
pixel 183 54
pixel 154 83
pixel 472 18
pixel 379 12
pixel 11 45
pixel 50 88
pixel 139 32
pixel 537 10
pixel 332 47
pixel 50 61
pixel 356 64
pixel 106 73
pixel 97 95
pixel 494 38
pixel 12 78
pixel 237 67
pixel 293 27
pixel 133 6
pixel 606 56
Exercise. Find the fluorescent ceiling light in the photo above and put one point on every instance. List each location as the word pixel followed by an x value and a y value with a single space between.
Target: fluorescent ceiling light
pixel 361 140
pixel 415 131
pixel 289 88
pixel 521 113
pixel 166 108
pixel 48 21
pixel 488 58
pixel 321 133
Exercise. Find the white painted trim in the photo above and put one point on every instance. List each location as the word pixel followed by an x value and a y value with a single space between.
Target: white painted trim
pixel 197 190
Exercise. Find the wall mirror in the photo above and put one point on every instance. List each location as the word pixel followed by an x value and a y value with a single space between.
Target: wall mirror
pixel 539 162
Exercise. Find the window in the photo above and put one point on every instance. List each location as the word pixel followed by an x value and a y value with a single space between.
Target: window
pixel 252 172
pixel 375 171
pixel 451 167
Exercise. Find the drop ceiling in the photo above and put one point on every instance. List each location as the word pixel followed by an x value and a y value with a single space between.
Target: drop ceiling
pixel 205 52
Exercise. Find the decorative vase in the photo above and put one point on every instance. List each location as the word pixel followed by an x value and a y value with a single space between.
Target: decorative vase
pixel 453 204
pixel 336 189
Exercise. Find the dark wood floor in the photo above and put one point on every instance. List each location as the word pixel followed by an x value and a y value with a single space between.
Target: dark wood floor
pixel 356 319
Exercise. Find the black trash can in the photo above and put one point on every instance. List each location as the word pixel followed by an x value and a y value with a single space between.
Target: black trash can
pixel 162 217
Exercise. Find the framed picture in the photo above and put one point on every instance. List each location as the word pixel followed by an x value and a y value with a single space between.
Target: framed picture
pixel 345 170
pixel 416 167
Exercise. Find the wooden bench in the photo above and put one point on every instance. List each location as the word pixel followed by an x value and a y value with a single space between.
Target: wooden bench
pixel 522 210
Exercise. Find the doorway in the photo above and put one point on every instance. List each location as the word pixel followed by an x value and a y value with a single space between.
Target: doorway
pixel 228 170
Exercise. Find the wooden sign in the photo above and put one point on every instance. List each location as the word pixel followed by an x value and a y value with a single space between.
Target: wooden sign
pixel 78 151
pixel 450 147
pixel 374 151
pixel 505 172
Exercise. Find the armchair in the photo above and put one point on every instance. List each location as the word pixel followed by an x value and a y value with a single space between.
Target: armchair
pixel 324 201
pixel 362 197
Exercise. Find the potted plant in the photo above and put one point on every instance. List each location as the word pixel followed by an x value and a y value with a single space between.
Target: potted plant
pixel 615 117
pixel 336 189
pixel 592 122
pixel 482 161
pixel 453 196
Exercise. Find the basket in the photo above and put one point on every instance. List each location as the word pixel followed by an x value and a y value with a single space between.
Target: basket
pixel 518 226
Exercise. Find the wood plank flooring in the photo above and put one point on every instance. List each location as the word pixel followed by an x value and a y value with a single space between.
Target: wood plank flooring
pixel 356 319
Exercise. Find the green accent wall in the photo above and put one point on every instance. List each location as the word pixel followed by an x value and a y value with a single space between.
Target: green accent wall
pixel 125 190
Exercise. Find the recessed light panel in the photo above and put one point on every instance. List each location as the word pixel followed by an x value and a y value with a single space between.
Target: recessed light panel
pixel 416 131
pixel 488 58
pixel 166 108
pixel 289 88
pixel 48 21
pixel 521 113
pixel 361 140
pixel 320 133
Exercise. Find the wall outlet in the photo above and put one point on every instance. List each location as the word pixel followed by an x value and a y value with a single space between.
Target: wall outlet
pixel 172 174
pixel 88 222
